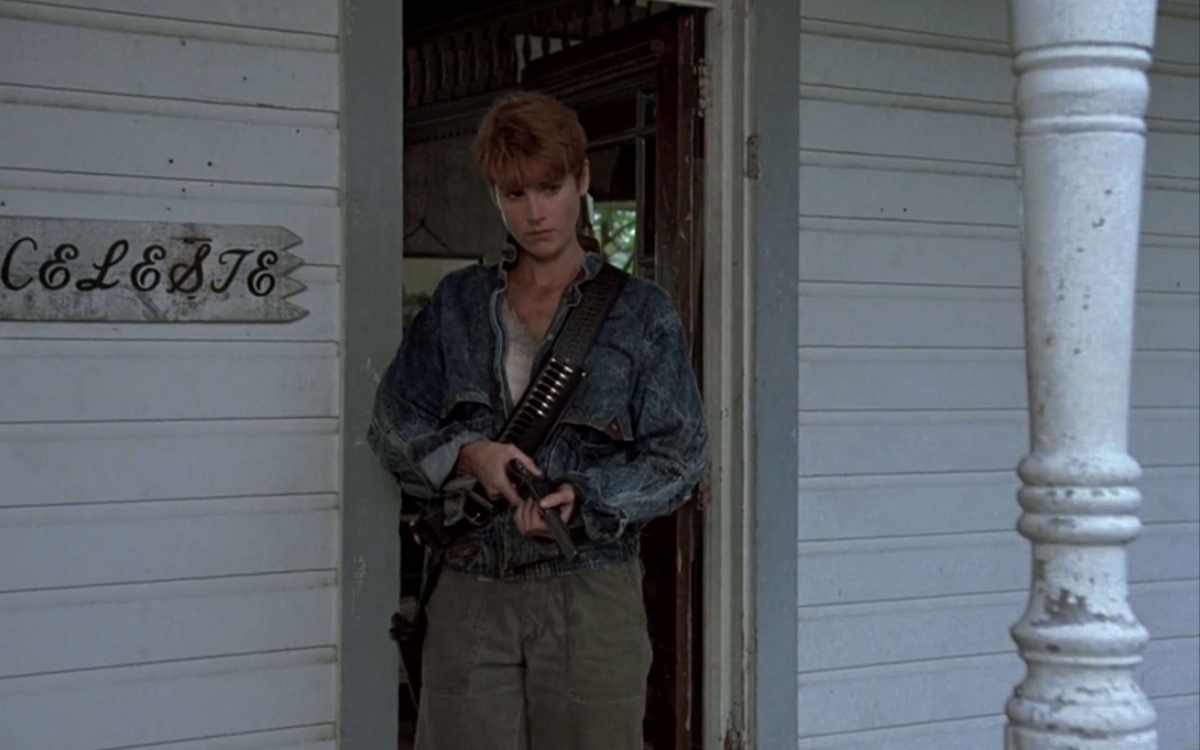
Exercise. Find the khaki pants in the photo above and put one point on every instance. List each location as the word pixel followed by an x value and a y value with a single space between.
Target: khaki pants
pixel 556 664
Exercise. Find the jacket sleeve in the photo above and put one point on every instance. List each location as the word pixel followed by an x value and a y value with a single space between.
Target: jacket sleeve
pixel 670 439
pixel 406 430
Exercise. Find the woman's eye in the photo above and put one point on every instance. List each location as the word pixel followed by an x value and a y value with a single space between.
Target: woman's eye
pixel 552 189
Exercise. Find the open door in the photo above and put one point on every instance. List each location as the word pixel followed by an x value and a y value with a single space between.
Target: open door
pixel 636 92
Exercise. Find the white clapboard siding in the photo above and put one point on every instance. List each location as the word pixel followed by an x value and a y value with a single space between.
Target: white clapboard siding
pixel 947 379
pixel 883 505
pixel 847 187
pixel 945 254
pixel 1178 727
pixel 318 17
pixel 167 460
pixel 841 636
pixel 967 138
pixel 169 515
pixel 877 315
pixel 983 733
pixel 91 625
pixel 165 701
pixel 115 143
pixel 875 697
pixel 831 443
pixel 1179 722
pixel 912 377
pixel 200 70
pixel 889 568
pixel 103 544
pixel 311 213
pixel 320 737
pixel 172 380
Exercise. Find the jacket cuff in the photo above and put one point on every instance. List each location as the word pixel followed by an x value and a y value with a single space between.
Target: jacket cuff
pixel 600 522
pixel 439 463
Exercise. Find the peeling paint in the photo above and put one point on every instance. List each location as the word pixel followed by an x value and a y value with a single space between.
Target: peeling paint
pixel 733 738
pixel 1071 609
pixel 358 581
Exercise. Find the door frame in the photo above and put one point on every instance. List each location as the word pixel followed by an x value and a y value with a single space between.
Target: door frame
pixel 728 676
pixel 371 62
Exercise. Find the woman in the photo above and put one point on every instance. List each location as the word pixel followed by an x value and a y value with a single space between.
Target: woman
pixel 529 648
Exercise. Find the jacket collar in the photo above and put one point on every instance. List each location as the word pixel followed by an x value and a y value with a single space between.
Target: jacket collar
pixel 593 259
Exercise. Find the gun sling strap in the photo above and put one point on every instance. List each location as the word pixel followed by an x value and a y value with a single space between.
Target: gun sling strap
pixel 546 397
pixel 579 331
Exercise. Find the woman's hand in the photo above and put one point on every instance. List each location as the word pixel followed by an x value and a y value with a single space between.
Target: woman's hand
pixel 487 460
pixel 528 513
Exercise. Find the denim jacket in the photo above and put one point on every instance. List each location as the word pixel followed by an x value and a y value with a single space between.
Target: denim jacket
pixel 632 442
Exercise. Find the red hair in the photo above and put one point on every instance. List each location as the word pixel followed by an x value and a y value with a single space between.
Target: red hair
pixel 529 139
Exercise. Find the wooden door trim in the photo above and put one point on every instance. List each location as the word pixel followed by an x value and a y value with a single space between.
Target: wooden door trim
pixel 730 624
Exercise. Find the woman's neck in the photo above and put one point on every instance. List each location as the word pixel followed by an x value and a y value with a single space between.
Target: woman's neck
pixel 554 273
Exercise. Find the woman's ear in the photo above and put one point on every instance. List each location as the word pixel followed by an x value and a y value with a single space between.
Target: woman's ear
pixel 584 226
pixel 585 178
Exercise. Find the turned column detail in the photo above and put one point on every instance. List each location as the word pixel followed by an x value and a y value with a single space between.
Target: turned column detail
pixel 1081 97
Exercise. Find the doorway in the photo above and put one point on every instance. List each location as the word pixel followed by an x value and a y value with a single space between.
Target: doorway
pixel 629 68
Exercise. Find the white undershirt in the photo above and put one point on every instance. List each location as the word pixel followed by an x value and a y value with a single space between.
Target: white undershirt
pixel 518 355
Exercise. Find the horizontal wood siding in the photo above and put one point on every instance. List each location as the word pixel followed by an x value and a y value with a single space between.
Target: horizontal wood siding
pixel 912 380
pixel 169 519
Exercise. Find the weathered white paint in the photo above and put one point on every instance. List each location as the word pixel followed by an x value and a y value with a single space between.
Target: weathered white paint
pixel 841 636
pixel 1081 98
pixel 203 70
pixel 973 440
pixel 246 693
pixel 172 380
pixel 169 522
pixel 960 502
pixel 312 213
pixel 962 564
pixel 318 17
pixel 91 625
pixel 912 384
pixel 728 648
pixel 159 460
pixel 178 147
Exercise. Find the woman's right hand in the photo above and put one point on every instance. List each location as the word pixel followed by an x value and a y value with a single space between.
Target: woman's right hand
pixel 487 461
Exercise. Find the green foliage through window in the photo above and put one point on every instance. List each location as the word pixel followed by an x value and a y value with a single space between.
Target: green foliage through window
pixel 615 226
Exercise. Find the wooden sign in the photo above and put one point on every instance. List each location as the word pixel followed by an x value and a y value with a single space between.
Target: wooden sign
pixel 94 270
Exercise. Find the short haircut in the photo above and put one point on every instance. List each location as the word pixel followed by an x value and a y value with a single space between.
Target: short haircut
pixel 528 139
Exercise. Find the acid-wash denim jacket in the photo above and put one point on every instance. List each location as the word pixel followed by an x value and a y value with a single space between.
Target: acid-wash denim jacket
pixel 633 440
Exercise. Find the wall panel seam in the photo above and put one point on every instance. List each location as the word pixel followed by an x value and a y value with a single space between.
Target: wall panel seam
pixel 135 23
pixel 175 107
pixel 162 581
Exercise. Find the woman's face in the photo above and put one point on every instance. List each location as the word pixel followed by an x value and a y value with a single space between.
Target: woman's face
pixel 543 216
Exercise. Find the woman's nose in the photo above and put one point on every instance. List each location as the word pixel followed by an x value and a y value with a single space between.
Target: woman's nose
pixel 536 207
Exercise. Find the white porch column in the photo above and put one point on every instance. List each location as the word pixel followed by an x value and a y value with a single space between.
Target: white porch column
pixel 1081 95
